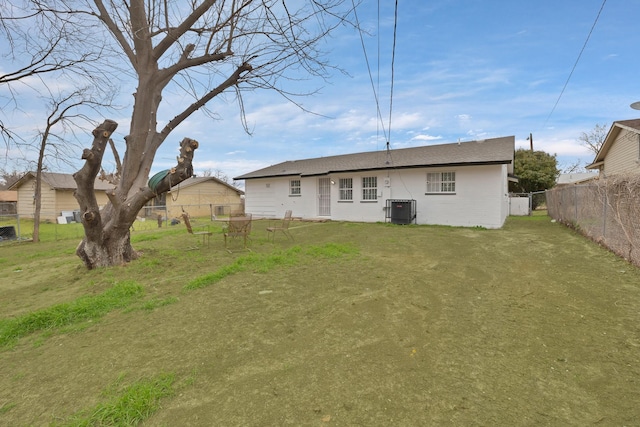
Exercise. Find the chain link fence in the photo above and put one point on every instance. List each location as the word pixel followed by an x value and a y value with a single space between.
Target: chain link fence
pixel 168 213
pixel 68 224
pixel 607 211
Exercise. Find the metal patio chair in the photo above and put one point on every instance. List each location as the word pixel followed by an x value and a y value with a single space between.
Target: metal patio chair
pixel 283 227
pixel 238 227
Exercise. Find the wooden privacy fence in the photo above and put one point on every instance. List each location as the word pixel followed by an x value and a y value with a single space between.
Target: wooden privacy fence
pixel 606 210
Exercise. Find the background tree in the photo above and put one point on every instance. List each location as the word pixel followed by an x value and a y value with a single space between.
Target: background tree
pixel 594 139
pixel 573 167
pixel 205 48
pixel 40 45
pixel 219 174
pixel 47 62
pixel 7 178
pixel 536 171
pixel 54 139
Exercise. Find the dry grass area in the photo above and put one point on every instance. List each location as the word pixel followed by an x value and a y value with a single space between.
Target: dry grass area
pixel 350 324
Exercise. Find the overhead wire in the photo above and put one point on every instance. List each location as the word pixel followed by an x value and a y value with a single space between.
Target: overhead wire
pixel 378 122
pixel 386 131
pixel 393 60
pixel 575 64
pixel 392 85
pixel 366 58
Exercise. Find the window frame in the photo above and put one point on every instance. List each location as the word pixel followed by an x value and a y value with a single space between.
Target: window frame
pixel 293 188
pixel 369 188
pixel 441 182
pixel 345 192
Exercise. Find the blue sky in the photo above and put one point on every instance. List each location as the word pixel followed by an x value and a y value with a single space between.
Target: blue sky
pixel 463 70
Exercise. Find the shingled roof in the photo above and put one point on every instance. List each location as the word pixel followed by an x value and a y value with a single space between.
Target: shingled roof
pixel 60 181
pixel 197 180
pixel 481 152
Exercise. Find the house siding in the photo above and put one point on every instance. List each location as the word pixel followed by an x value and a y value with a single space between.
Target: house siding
pixel 26 202
pixel 480 198
pixel 27 205
pixel 201 199
pixel 262 203
pixel 52 202
pixel 64 201
pixel 624 154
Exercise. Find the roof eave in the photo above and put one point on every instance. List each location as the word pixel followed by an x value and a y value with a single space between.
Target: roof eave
pixel 595 165
pixel 328 172
pixel 238 178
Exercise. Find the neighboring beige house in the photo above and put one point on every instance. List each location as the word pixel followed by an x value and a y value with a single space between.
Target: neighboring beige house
pixel 57 194
pixel 202 196
pixel 205 196
pixel 620 152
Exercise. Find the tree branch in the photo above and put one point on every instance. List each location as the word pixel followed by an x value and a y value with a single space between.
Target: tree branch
pixel 231 81
pixel 117 34
pixel 183 169
pixel 185 62
pixel 174 34
pixel 85 179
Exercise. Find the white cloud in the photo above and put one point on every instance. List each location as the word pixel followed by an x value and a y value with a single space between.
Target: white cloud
pixel 423 137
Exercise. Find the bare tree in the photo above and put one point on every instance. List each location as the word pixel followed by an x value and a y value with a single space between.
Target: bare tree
pixel 41 44
pixel 573 167
pixel 7 179
pixel 594 139
pixel 65 117
pixel 44 59
pixel 204 48
pixel 216 173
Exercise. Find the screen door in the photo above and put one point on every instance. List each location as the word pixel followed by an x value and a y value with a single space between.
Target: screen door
pixel 324 197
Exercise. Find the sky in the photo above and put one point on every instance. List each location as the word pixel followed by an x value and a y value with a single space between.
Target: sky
pixel 461 70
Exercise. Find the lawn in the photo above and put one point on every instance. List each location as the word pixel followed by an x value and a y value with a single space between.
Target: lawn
pixel 350 324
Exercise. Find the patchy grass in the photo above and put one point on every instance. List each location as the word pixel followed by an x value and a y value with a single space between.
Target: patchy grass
pixel 263 263
pixel 350 324
pixel 125 405
pixel 83 309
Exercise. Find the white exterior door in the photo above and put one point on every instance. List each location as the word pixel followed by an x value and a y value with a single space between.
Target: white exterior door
pixel 324 197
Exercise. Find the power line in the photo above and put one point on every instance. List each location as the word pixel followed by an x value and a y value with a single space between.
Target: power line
pixel 393 60
pixel 576 63
pixel 366 58
pixel 386 132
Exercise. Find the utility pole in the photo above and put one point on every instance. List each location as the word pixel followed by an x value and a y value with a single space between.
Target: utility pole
pixel 531 141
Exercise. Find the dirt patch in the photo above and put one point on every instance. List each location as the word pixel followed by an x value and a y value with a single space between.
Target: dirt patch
pixel 529 325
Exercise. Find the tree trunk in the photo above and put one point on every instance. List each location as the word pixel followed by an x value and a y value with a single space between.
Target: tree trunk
pixel 107 237
pixel 37 194
pixel 114 249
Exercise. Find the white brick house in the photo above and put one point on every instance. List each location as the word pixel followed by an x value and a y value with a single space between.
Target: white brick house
pixel 459 184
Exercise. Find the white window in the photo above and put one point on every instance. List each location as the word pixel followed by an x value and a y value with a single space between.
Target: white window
pixel 294 187
pixel 346 188
pixel 369 188
pixel 441 182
